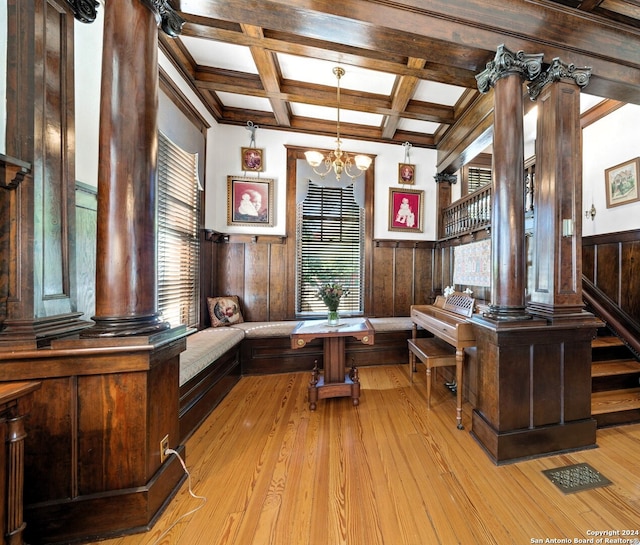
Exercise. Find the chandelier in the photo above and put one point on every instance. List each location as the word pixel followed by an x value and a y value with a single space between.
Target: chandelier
pixel 337 160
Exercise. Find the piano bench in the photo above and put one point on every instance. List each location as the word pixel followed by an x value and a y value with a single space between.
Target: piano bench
pixel 433 353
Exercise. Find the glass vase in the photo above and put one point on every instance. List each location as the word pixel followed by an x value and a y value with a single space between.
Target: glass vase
pixel 333 318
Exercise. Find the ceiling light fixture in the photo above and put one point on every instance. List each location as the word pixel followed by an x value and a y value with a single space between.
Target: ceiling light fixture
pixel 337 160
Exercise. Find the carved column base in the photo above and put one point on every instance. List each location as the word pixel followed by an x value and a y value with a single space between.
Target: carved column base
pixel 39 332
pixel 124 326
pixel 556 313
pixel 499 313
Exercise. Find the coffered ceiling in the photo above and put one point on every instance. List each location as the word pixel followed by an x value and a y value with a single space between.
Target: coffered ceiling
pixel 410 65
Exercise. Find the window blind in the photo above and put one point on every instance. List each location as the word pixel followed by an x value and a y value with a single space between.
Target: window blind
pixel 330 233
pixel 477 178
pixel 178 243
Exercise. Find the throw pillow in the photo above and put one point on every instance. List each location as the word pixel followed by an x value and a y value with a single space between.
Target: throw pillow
pixel 224 310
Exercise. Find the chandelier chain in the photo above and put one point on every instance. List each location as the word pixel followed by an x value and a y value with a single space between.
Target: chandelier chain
pixel 333 161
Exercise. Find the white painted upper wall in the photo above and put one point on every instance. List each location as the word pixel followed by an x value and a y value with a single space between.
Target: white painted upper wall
pixel 606 143
pixel 87 67
pixel 227 162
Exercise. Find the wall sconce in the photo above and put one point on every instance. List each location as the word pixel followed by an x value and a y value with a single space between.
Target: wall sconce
pixel 591 213
pixel 567 228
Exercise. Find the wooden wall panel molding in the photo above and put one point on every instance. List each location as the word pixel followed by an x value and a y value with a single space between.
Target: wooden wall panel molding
pixel 611 262
pixel 101 412
pixel 259 274
pixel 38 286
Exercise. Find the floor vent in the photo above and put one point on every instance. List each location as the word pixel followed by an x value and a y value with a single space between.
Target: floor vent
pixel 576 478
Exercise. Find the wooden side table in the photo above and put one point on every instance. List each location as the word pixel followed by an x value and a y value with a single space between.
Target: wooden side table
pixel 334 382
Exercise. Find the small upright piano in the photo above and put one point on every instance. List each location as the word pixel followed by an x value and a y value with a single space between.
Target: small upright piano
pixel 448 320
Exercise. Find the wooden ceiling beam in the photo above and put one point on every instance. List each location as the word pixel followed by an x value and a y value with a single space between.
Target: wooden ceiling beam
pixel 338 53
pixel 468 137
pixel 470 28
pixel 318 95
pixel 404 90
pixel 269 75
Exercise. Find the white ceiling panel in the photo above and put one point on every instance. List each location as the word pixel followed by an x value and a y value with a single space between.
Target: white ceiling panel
pixel 588 101
pixel 232 100
pixel 220 54
pixel 438 93
pixel 415 125
pixel 320 72
pixel 330 114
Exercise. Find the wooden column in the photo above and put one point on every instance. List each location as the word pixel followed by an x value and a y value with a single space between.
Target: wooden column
pixel 557 257
pixel 126 265
pixel 534 377
pixel 506 74
pixel 444 181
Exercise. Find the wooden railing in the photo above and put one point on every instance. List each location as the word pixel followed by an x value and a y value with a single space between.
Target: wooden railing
pixel 623 325
pixel 470 213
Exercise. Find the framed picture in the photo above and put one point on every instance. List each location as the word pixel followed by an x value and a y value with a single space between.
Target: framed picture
pixel 406 173
pixel 622 183
pixel 405 210
pixel 252 160
pixel 249 201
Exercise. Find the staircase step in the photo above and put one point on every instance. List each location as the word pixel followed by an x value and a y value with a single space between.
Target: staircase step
pixel 606 342
pixel 615 401
pixel 614 367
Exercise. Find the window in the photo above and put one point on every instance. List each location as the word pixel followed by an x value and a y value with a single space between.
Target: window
pixel 330 235
pixel 477 173
pixel 178 241
pixel 477 178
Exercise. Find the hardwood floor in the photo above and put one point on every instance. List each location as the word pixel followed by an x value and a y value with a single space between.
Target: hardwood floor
pixel 386 472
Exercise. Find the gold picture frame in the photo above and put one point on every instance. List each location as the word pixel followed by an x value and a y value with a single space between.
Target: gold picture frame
pixel 250 201
pixel 252 159
pixel 405 210
pixel 406 174
pixel 621 183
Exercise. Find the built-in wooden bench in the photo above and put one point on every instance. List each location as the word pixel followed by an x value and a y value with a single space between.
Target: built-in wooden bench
pixel 216 358
pixel 433 353
pixel 209 368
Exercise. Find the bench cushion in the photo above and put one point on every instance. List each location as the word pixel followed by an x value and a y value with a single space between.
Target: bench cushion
pixel 267 329
pixel 205 347
pixel 397 323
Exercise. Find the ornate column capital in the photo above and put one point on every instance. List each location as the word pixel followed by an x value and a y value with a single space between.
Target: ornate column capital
pixel 167 17
pixel 507 63
pixel 84 10
pixel 444 177
pixel 558 71
pixel 171 23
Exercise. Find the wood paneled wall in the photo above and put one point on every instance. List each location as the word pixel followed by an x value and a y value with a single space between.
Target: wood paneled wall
pixel 38 276
pixel 402 275
pixel 259 272
pixel 612 263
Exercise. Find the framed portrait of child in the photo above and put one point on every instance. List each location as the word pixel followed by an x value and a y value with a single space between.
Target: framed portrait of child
pixel 405 210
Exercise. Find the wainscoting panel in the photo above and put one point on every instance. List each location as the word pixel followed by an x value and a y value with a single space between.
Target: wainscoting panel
pixel 261 272
pixel 612 263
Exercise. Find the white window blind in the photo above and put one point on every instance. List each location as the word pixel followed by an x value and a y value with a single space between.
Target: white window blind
pixel 178 243
pixel 330 234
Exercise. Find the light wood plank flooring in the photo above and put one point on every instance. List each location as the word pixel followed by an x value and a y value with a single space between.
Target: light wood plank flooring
pixel 386 472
